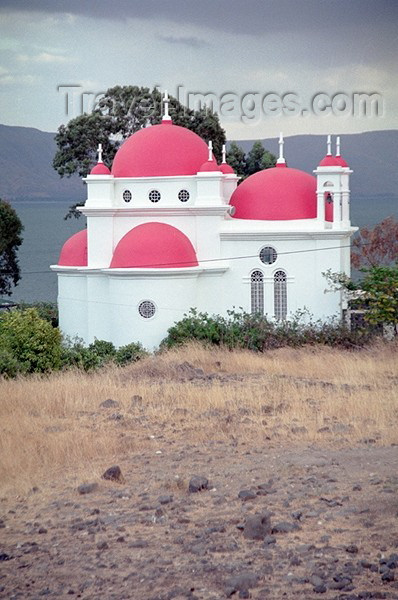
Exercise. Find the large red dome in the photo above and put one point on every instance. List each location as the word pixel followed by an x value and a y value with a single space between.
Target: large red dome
pixel 276 195
pixel 74 251
pixel 160 151
pixel 154 245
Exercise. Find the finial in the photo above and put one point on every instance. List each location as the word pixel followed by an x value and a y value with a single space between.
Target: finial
pixel 329 146
pixel 281 159
pixel 224 155
pixel 166 116
pixel 338 146
pixel 210 146
pixel 99 151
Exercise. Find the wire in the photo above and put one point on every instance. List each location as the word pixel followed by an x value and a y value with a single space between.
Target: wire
pixel 208 260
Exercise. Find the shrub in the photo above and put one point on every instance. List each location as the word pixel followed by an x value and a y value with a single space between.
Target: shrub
pixel 46 310
pixel 130 353
pixel 9 366
pixel 257 332
pixel 30 340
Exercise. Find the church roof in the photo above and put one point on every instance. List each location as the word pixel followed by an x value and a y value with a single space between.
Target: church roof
pixel 74 251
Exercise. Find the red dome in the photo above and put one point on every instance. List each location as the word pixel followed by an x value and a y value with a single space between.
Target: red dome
pixel 100 169
pixel 276 195
pixel 154 245
pixel 209 165
pixel 341 162
pixel 74 251
pixel 160 151
pixel 226 169
pixel 329 161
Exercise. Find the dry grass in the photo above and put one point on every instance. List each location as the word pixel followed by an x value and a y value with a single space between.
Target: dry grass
pixel 53 425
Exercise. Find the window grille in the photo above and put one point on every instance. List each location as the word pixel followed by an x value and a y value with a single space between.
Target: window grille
pixel 280 295
pixel 257 292
pixel 147 309
pixel 183 195
pixel 127 195
pixel 268 255
pixel 154 196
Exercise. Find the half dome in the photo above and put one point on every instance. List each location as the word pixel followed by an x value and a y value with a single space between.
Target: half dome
pixel 160 151
pixel 100 169
pixel 74 251
pixel 276 195
pixel 154 245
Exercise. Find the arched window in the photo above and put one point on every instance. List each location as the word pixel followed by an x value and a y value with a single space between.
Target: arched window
pixel 257 292
pixel 280 295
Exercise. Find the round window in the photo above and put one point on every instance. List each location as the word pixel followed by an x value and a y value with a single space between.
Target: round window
pixel 127 195
pixel 268 255
pixel 183 195
pixel 147 309
pixel 154 196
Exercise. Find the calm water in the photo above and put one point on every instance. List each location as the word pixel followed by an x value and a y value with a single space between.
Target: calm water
pixel 45 232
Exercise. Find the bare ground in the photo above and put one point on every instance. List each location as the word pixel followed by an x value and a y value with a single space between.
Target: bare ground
pixel 325 482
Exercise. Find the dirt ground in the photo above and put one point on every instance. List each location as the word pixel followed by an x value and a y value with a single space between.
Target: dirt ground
pixel 149 538
pixel 285 511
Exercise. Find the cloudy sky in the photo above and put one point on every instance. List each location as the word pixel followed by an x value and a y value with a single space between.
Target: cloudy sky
pixel 250 55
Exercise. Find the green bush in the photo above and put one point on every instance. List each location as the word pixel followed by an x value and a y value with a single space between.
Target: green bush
pixel 30 340
pixel 9 366
pixel 130 353
pixel 46 310
pixel 258 333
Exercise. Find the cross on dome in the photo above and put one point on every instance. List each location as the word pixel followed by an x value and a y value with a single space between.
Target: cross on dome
pixel 281 159
pixel 166 116
pixel 224 154
pixel 329 146
pixel 338 146
pixel 210 146
pixel 99 152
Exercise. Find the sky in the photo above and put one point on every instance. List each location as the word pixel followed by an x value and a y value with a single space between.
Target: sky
pixel 297 66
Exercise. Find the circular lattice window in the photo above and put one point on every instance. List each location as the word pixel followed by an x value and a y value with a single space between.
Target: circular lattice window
pixel 127 195
pixel 183 195
pixel 147 309
pixel 154 196
pixel 268 255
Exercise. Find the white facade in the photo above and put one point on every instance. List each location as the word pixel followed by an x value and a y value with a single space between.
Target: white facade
pixel 104 302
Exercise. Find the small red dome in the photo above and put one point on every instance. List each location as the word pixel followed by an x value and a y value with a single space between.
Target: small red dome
pixel 226 169
pixel 154 245
pixel 341 162
pixel 74 251
pixel 209 165
pixel 160 151
pixel 276 195
pixel 100 169
pixel 329 161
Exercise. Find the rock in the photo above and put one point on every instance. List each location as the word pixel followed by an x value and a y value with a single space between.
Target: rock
pixel 315 580
pixel 109 403
pixel 320 589
pixel 352 549
pixel 388 575
pixel 102 545
pixel 269 539
pixel 245 495
pixel 113 474
pixel 284 527
pixel 87 488
pixel 4 557
pixel 257 526
pixel 165 499
pixel 198 484
pixel 297 514
pixel 296 430
pixel 241 583
pixel 42 530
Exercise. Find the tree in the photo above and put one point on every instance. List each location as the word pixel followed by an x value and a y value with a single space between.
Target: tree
pixel 380 287
pixel 237 159
pixel 376 246
pixel 121 112
pixel 258 158
pixel 10 239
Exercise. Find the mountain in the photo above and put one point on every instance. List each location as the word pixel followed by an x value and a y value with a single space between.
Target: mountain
pixel 26 156
pixel 26 170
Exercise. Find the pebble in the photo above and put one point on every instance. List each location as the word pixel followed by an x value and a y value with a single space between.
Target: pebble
pixel 198 484
pixel 114 473
pixel 87 488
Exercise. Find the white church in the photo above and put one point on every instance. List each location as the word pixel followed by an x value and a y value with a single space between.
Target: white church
pixel 169 229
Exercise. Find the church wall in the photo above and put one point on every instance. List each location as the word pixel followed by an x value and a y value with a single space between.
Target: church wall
pixel 72 305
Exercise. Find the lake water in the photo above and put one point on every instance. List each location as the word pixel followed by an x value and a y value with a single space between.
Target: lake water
pixel 46 230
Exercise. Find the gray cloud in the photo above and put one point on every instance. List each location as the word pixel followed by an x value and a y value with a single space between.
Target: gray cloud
pixel 191 41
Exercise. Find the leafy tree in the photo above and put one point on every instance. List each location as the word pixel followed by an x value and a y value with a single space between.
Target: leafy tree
pixel 380 286
pixel 122 111
pixel 258 158
pixel 376 246
pixel 237 159
pixel 10 239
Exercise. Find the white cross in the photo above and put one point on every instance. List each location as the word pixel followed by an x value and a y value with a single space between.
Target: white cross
pixel 166 116
pixel 99 150
pixel 329 145
pixel 281 159
pixel 210 150
pixel 224 154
